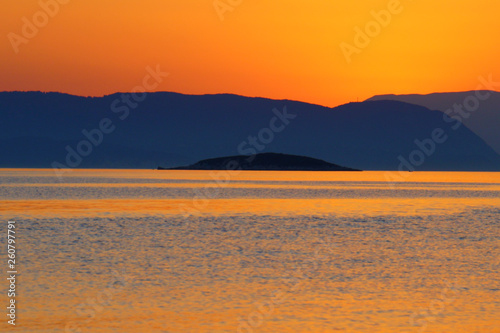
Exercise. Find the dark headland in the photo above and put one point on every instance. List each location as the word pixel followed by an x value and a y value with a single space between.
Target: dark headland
pixel 262 162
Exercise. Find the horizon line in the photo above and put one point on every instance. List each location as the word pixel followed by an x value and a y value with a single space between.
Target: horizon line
pixel 245 96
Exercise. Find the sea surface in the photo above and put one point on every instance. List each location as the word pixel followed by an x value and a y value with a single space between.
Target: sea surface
pixel 199 251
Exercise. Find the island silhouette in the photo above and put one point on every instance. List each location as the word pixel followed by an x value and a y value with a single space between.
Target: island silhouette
pixel 264 161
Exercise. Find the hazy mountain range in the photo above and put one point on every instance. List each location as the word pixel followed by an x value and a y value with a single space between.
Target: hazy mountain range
pixel 478 110
pixel 169 129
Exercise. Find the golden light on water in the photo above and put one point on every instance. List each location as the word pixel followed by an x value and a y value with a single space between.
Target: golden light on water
pixel 269 252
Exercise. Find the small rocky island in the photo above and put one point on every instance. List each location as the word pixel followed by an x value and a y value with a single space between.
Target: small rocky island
pixel 264 161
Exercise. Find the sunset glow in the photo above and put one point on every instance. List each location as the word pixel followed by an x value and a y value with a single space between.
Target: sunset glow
pixel 280 49
pixel 250 166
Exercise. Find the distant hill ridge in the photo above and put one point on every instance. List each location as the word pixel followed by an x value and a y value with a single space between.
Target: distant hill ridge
pixel 63 131
pixel 264 161
pixel 478 110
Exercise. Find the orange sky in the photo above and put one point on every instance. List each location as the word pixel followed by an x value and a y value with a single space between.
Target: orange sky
pixel 277 49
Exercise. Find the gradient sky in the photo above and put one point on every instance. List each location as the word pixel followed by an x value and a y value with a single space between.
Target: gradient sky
pixel 284 49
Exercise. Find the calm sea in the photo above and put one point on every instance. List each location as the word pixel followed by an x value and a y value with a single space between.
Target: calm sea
pixel 195 251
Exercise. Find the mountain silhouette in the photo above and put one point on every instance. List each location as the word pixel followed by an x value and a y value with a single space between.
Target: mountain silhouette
pixel 170 129
pixel 478 110
pixel 264 161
